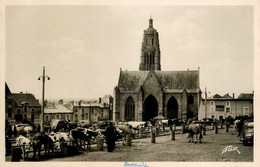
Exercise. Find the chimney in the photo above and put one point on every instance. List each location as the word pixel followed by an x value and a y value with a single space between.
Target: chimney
pixel 99 100
pixel 233 95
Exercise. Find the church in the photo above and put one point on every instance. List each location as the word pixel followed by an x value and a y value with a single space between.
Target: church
pixel 148 93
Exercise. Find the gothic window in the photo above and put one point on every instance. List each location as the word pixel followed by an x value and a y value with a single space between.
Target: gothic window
pixel 152 58
pixel 32 117
pixel 146 41
pixel 152 41
pixel 190 100
pixel 130 109
pixel 25 108
pixel 145 58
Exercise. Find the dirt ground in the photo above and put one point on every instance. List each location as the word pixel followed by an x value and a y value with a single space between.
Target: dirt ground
pixel 142 150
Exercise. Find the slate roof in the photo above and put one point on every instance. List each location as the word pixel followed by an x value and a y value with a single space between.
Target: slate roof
pixel 21 98
pixel 57 109
pixel 217 96
pixel 227 96
pixel 170 80
pixel 131 80
pixel 246 96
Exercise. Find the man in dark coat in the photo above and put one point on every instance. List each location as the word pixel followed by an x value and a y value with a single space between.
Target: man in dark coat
pixel 110 137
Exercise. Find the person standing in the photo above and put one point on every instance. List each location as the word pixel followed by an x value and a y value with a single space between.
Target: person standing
pixel 110 137
pixel 15 131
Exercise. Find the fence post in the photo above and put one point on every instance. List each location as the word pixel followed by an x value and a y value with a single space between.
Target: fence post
pixel 128 140
pixel 172 134
pixel 140 133
pixel 227 128
pixel 152 137
pixel 157 131
pixel 100 142
pixel 204 130
pixel 216 129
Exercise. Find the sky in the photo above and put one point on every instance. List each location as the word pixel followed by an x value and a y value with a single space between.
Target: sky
pixel 84 47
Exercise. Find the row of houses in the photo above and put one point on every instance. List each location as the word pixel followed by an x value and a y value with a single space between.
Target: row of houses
pixel 24 107
pixel 90 111
pixel 221 107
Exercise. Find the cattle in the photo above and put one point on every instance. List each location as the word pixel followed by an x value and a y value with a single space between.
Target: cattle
pixel 25 144
pixel 42 139
pixel 195 128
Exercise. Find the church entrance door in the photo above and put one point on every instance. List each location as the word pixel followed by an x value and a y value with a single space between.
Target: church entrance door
pixel 150 108
pixel 172 108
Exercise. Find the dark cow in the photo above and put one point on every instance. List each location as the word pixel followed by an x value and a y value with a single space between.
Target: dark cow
pixel 195 128
pixel 42 139
pixel 83 135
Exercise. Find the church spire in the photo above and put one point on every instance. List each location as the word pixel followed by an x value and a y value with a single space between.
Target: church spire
pixel 150 52
pixel 151 22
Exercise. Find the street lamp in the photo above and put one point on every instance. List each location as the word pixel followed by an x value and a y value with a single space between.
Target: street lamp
pixel 206 102
pixel 43 84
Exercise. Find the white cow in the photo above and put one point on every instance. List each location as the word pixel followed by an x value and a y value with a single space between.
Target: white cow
pixel 62 136
pixel 25 144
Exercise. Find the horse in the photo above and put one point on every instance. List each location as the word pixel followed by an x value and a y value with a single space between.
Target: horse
pixel 195 128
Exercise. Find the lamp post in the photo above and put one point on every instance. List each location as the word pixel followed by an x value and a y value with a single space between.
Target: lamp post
pixel 43 87
pixel 206 101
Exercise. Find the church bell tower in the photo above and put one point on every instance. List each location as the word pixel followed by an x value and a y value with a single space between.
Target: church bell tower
pixel 150 52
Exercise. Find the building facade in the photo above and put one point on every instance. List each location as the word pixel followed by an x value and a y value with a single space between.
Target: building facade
pixel 21 107
pixel 145 94
pixel 93 111
pixel 221 107
pixel 56 111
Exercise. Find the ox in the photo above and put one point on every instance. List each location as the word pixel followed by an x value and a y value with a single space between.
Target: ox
pixel 42 139
pixel 25 144
pixel 195 128
pixel 83 135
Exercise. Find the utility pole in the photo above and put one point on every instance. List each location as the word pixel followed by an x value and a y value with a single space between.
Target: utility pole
pixel 205 102
pixel 43 89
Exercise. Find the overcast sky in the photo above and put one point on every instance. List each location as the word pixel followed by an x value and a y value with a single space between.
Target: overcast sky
pixel 83 47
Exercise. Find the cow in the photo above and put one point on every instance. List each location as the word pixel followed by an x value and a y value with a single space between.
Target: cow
pixel 195 128
pixel 25 143
pixel 42 139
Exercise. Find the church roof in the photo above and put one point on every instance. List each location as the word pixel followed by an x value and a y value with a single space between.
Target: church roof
pixel 178 79
pixel 170 80
pixel 131 80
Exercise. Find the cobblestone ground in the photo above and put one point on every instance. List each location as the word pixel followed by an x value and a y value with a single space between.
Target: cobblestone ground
pixel 142 150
